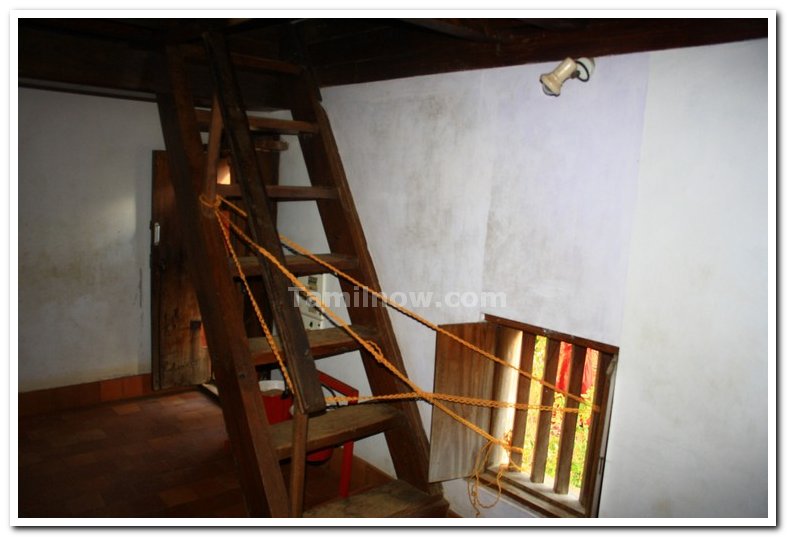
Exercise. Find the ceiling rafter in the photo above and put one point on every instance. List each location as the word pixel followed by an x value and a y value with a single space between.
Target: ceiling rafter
pixel 120 54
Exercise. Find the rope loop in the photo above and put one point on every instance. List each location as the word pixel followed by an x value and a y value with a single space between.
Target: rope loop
pixel 213 204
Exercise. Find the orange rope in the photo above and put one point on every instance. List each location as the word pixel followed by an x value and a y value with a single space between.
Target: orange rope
pixel 461 399
pixel 303 251
pixel 370 347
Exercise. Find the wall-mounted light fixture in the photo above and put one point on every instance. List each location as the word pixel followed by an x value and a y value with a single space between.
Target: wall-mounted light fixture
pixel 582 68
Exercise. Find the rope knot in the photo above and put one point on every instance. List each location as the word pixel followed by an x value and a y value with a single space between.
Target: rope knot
pixel 208 203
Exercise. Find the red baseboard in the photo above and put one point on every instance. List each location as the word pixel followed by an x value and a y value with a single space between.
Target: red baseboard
pixel 80 395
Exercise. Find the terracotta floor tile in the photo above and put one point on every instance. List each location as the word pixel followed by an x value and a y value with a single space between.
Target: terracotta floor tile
pixel 85 502
pixel 178 495
pixel 78 437
pixel 26 459
pixel 80 459
pixel 156 456
pixel 172 401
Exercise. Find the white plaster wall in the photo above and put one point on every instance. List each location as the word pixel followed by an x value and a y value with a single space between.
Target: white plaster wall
pixel 563 180
pixel 84 208
pixel 689 429
pixel 477 181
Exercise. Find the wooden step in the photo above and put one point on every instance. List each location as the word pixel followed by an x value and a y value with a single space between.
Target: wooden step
pixel 396 499
pixel 322 343
pixel 335 427
pixel 298 264
pixel 264 124
pixel 284 193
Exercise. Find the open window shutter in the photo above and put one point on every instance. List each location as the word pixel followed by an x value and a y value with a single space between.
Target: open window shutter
pixel 460 371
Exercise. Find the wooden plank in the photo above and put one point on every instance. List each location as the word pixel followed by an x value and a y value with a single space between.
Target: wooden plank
pixel 590 472
pixel 285 193
pixel 301 193
pixel 244 415
pixel 522 395
pixel 391 52
pixel 299 265
pixel 264 124
pixel 255 63
pixel 409 446
pixel 307 390
pixel 552 334
pixel 112 30
pixel 214 152
pixel 472 29
pixel 395 499
pixel 565 451
pixel 507 341
pixel 300 428
pixel 246 61
pixel 538 497
pixel 460 371
pixel 544 426
pixel 100 67
pixel 268 163
pixel 335 427
pixel 265 145
pixel 344 52
pixel 323 343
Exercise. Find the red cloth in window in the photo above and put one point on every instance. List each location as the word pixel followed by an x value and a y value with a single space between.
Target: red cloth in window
pixel 563 370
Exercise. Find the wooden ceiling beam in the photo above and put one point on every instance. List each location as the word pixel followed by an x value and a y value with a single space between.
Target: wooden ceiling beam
pixel 399 53
pixel 472 29
pixel 556 25
pixel 109 29
pixel 120 60
pixel 64 62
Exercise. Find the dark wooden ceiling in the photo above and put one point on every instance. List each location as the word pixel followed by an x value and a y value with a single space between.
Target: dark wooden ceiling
pixel 118 56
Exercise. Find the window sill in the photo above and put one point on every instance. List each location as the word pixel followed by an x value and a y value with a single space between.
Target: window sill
pixel 537 497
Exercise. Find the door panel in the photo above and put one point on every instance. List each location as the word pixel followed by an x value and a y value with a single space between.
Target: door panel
pixel 180 357
pixel 458 370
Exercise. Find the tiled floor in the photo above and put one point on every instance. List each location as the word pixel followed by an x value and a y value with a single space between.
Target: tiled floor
pixel 160 456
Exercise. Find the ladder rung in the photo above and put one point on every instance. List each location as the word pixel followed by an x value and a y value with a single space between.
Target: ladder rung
pixel 284 193
pixel 299 265
pixel 281 126
pixel 393 499
pixel 265 145
pixel 337 426
pixel 263 124
pixel 322 343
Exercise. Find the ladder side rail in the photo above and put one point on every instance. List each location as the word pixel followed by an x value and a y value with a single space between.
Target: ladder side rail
pixel 244 415
pixel 300 363
pixel 345 236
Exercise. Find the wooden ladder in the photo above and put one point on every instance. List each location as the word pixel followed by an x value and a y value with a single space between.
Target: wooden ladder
pixel 259 447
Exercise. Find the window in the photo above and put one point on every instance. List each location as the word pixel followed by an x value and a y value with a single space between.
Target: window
pixel 558 472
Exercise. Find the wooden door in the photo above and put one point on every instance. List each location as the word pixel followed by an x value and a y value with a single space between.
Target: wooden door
pixel 460 371
pixel 180 357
